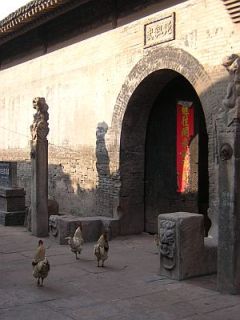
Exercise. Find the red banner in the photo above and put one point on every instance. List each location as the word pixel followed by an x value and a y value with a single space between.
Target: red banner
pixel 185 132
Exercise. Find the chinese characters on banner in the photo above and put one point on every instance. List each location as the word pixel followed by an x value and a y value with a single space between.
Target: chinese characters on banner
pixel 185 132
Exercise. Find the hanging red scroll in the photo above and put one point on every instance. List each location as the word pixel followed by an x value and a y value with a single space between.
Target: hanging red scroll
pixel 185 132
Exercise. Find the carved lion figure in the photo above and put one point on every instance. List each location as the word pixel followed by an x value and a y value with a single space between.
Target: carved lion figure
pixel 232 64
pixel 39 128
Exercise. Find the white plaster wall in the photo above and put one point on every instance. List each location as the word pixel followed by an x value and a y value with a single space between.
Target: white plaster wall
pixel 81 81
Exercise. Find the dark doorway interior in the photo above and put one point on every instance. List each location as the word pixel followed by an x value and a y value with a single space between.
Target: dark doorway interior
pixel 160 193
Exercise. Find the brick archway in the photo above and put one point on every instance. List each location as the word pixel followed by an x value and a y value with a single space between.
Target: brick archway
pixel 130 115
pixel 160 59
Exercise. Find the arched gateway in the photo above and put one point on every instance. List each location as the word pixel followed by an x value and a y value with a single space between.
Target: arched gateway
pixel 147 115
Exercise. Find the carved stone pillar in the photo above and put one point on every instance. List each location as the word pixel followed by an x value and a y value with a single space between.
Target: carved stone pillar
pixel 228 130
pixel 39 159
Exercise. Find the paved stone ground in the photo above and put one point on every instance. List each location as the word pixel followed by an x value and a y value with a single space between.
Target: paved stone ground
pixel 129 287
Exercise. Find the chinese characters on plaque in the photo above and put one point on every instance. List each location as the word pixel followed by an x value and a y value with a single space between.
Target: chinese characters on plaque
pixel 185 132
pixel 162 30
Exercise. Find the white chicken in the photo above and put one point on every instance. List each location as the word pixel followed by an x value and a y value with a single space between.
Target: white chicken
pixel 101 249
pixel 40 271
pixel 76 242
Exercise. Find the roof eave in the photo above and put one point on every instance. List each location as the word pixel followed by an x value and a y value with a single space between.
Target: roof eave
pixel 36 19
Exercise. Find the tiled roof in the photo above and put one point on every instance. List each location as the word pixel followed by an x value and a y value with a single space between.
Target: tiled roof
pixel 233 8
pixel 28 13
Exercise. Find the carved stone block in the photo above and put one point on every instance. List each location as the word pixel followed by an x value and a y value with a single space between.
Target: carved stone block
pixel 62 226
pixel 181 248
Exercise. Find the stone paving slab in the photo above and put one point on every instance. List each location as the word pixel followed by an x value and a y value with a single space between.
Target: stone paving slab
pixel 35 312
pixel 128 288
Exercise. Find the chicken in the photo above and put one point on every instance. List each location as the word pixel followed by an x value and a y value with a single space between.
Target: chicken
pixel 40 271
pixel 40 264
pixel 101 249
pixel 76 242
